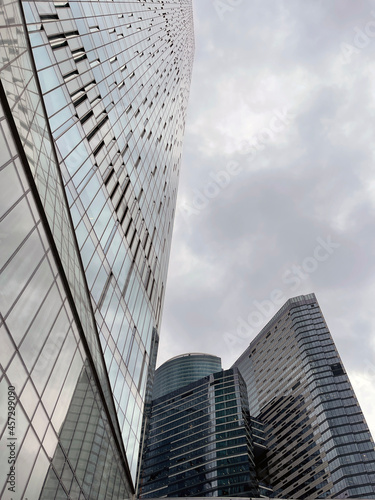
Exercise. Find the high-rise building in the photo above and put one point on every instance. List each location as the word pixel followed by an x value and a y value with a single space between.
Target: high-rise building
pixel 306 434
pixel 93 100
pixel 319 445
pixel 199 441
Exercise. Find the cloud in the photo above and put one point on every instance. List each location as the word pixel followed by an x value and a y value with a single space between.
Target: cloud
pixel 311 178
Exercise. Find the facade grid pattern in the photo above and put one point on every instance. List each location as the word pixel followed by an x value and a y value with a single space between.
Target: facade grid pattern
pixel 199 441
pixel 93 104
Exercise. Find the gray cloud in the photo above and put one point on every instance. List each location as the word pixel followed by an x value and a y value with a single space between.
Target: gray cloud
pixel 309 179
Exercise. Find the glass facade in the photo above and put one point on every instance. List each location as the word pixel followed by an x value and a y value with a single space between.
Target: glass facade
pixel 93 102
pixel 319 445
pixel 260 450
pixel 199 441
pixel 182 370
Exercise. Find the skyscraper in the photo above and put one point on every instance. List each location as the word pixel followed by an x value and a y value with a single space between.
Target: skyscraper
pixel 199 441
pixel 305 432
pixel 93 101
pixel 318 441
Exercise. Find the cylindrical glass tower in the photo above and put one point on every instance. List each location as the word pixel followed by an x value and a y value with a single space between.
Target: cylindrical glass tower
pixel 182 370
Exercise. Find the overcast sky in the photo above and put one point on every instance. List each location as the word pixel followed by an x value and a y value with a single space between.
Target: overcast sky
pixel 281 115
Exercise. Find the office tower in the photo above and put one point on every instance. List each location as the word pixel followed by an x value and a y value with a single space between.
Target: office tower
pixel 93 101
pixel 199 439
pixel 318 441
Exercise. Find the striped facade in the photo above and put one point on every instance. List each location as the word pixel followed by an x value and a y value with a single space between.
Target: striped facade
pixel 319 445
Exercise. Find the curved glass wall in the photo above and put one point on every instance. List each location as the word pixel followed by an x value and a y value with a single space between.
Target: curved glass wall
pixel 93 100
pixel 182 370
